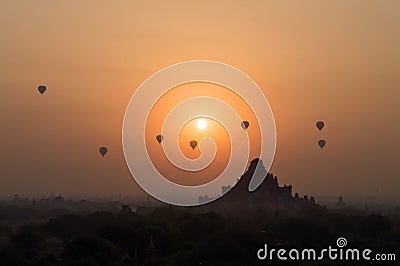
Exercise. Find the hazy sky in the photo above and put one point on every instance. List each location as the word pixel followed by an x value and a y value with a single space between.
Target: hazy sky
pixel 337 61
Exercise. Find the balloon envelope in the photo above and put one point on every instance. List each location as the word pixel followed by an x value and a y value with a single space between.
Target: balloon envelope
pixel 42 89
pixel 320 125
pixel 159 138
pixel 321 143
pixel 193 144
pixel 245 124
pixel 103 151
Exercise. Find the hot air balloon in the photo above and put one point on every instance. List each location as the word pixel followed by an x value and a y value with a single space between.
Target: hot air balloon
pixel 103 151
pixel 193 144
pixel 159 138
pixel 42 89
pixel 245 124
pixel 321 143
pixel 320 125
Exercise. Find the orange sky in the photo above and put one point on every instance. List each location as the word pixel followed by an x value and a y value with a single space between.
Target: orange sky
pixel 190 132
pixel 337 61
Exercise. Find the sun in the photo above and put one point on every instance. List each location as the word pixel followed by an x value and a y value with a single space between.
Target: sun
pixel 201 124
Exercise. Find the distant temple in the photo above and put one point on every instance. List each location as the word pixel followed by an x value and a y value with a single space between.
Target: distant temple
pixel 269 189
pixel 225 189
pixel 268 195
pixel 340 202
pixel 205 199
pixel 151 257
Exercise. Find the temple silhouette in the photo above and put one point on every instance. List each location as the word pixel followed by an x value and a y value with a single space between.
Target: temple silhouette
pixel 268 196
